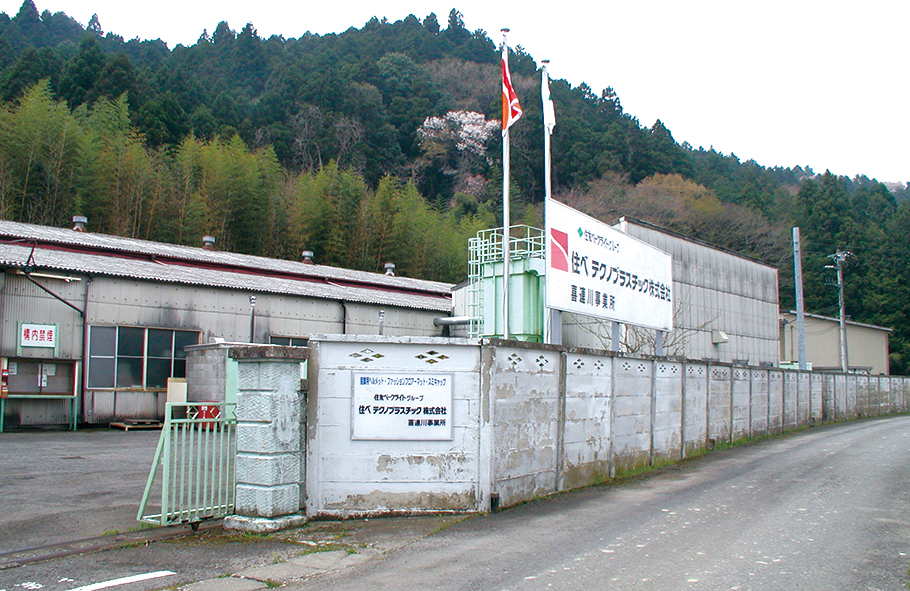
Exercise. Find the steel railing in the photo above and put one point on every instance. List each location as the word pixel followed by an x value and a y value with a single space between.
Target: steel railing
pixel 194 463
pixel 525 242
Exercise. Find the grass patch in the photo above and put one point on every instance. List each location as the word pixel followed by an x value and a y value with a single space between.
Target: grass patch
pixel 627 473
pixel 141 527
pixel 308 549
pixel 224 538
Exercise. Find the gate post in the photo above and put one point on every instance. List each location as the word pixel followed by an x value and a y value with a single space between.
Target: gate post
pixel 270 452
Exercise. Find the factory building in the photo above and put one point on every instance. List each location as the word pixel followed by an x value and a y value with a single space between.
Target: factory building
pixel 725 305
pixel 92 326
pixel 725 308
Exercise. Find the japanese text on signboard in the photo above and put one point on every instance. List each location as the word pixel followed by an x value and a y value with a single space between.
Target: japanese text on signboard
pixel 596 270
pixel 613 276
pixel 402 406
pixel 38 335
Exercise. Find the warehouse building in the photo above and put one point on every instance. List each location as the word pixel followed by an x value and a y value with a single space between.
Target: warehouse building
pixel 867 344
pixel 92 326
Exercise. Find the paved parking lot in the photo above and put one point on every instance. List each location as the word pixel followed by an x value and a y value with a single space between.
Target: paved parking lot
pixel 60 486
pixel 57 487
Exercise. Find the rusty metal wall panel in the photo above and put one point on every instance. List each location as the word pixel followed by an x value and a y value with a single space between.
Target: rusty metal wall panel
pixel 136 405
pixel 99 407
pixel 225 313
pixel 25 412
pixel 213 311
pixel 22 301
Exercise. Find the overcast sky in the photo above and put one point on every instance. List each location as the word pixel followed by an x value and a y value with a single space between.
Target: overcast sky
pixel 819 83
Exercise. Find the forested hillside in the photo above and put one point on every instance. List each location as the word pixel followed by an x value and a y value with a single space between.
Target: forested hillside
pixel 381 144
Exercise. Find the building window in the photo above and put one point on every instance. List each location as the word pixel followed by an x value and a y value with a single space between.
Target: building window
pixel 288 341
pixel 130 357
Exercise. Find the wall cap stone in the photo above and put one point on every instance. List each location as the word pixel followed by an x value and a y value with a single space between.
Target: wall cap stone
pixel 269 352
pixel 392 340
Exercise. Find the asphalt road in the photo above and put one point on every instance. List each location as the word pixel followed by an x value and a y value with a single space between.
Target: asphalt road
pixel 827 508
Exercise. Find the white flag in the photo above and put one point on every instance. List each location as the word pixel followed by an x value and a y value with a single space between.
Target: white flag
pixel 549 112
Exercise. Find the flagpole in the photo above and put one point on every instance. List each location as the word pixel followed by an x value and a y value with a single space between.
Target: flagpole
pixel 506 222
pixel 553 318
pixel 545 96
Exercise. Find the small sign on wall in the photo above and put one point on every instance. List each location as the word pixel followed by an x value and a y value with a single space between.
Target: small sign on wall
pixel 402 406
pixel 45 370
pixel 38 335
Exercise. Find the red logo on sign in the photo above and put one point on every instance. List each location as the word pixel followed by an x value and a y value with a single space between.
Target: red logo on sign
pixel 559 250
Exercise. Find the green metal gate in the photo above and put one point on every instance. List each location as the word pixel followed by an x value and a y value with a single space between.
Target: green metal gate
pixel 194 464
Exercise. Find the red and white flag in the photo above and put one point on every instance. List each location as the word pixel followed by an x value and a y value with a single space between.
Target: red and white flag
pixel 511 110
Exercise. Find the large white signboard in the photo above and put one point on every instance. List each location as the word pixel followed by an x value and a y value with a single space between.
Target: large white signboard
pixel 402 406
pixel 598 271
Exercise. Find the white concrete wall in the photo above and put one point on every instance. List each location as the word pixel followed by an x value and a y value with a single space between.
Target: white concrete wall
pixel 791 399
pixel 361 477
pixel 900 401
pixel 775 401
pixel 863 396
pixel 741 420
pixel 587 437
pixel 667 430
pixel 761 402
pixel 526 417
pixel 530 420
pixel 816 397
pixel 695 407
pixel 720 403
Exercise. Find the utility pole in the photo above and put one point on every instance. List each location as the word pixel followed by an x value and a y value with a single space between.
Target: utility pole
pixel 800 305
pixel 839 258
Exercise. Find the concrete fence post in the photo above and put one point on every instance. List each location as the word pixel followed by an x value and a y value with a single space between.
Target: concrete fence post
pixel 270 451
pixel 486 436
pixel 682 411
pixel 612 455
pixel 561 422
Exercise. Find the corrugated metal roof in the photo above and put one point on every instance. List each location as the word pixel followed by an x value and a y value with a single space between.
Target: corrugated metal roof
pixel 99 254
pixel 67 237
pixel 837 321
